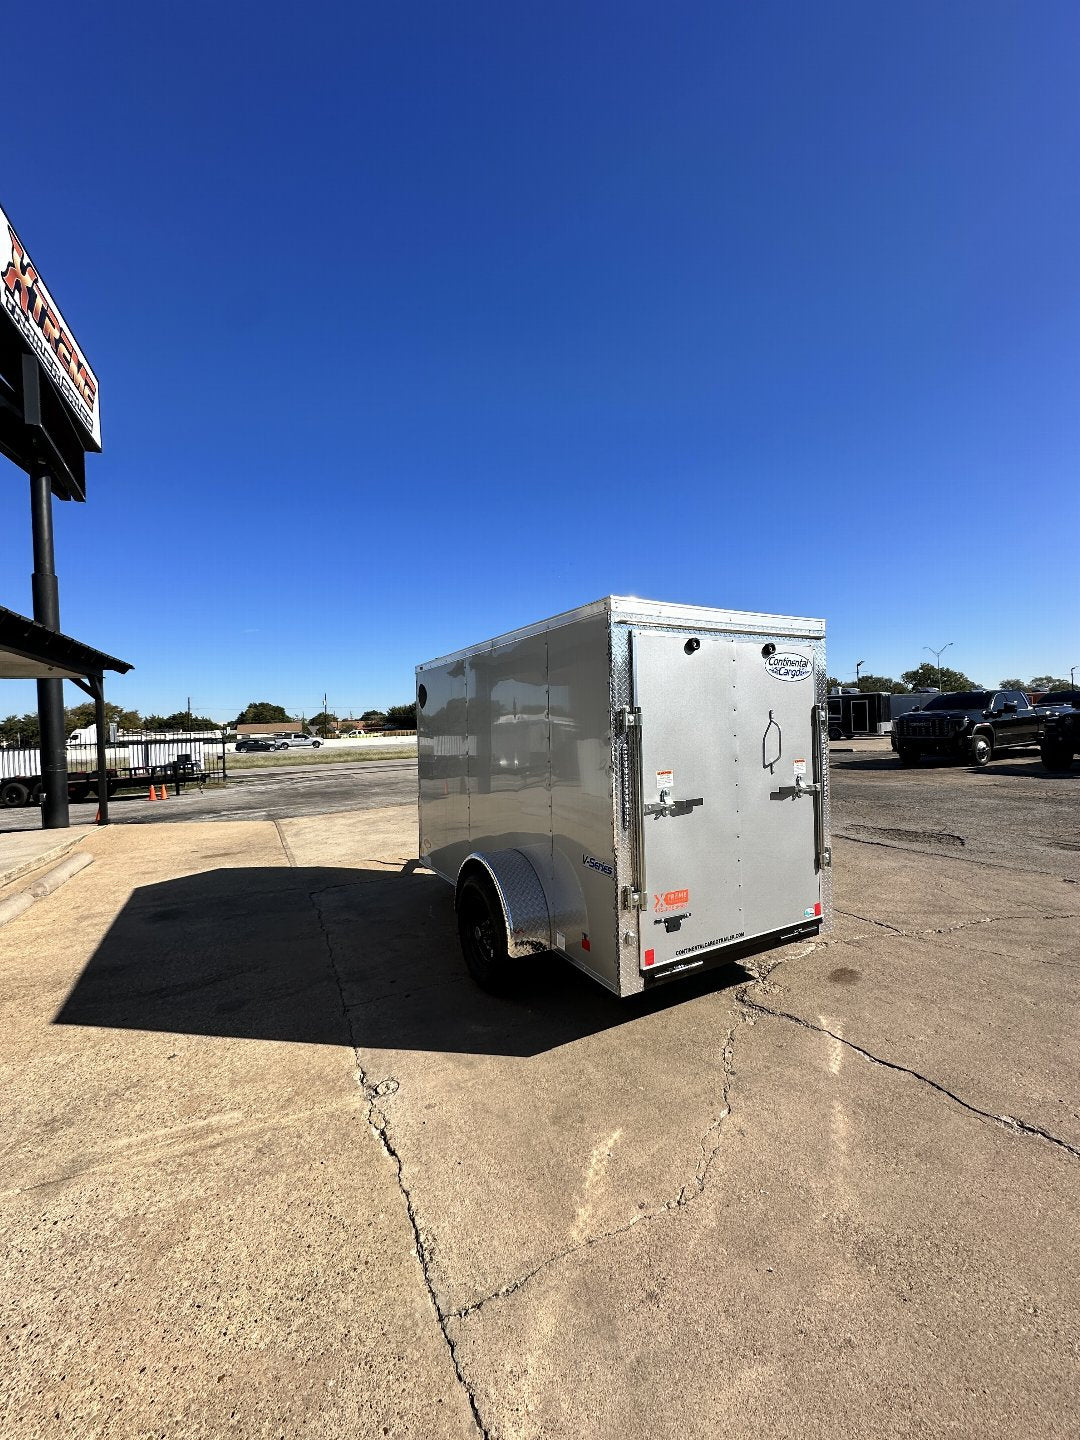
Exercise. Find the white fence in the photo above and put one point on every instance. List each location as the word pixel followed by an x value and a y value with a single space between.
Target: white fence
pixel 131 754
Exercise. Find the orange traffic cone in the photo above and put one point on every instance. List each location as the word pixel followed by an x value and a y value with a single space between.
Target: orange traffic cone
pixel 164 793
pixel 97 817
pixel 153 794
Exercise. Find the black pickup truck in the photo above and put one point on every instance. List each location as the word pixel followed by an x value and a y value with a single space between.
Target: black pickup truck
pixel 973 725
pixel 1061 734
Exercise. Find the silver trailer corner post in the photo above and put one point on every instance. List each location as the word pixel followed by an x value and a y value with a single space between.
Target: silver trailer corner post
pixel 642 787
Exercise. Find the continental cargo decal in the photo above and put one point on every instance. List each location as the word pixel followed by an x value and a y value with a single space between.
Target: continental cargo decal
pixel 786 665
pixel 36 316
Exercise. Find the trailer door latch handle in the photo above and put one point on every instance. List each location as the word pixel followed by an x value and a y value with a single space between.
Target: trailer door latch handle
pixel 792 792
pixel 672 807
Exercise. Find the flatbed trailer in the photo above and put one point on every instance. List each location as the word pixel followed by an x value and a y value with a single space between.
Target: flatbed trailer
pixel 83 785
pixel 638 786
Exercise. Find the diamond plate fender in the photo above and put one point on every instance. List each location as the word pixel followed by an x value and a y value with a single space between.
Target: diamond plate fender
pixel 521 895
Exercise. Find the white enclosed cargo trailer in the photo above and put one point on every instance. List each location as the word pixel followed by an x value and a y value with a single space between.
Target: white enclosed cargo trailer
pixel 641 787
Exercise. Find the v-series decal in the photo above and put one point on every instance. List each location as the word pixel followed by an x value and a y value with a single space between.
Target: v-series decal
pixel 594 864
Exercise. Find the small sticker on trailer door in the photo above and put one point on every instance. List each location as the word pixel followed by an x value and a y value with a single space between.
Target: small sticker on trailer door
pixel 665 780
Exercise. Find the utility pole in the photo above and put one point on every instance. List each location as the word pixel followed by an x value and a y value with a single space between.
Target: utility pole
pixel 50 693
pixel 937 654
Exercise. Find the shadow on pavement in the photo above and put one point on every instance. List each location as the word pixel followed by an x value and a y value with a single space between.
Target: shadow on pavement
pixel 334 957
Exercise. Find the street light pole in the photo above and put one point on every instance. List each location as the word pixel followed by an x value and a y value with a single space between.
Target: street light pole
pixel 937 654
pixel 1072 675
pixel 858 666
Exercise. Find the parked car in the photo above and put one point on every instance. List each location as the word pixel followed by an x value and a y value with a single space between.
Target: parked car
pixel 247 743
pixel 970 725
pixel 290 742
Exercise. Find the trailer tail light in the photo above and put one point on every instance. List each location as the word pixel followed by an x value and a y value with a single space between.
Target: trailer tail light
pixel 817 908
pixel 650 957
pixel 585 943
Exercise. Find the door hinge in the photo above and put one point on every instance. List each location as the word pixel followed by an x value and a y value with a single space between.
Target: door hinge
pixel 627 717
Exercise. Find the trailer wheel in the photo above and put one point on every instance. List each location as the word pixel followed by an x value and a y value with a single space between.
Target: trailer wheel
pixel 482 931
pixel 909 755
pixel 14 793
pixel 79 793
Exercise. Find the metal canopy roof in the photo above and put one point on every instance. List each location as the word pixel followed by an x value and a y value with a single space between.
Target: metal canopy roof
pixel 28 651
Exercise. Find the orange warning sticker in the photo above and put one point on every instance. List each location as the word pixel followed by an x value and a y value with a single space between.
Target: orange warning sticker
pixel 670 900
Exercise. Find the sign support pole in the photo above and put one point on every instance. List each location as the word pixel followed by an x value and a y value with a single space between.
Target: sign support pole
pixel 54 780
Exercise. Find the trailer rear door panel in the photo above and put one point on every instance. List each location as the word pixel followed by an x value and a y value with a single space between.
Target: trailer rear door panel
pixel 728 838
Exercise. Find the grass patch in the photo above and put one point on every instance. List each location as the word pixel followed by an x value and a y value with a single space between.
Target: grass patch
pixel 270 759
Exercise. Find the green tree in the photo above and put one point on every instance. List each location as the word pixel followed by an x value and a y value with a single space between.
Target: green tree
pixel 261 712
pixel 943 678
pixel 401 717
pixel 323 724
pixel 372 720
pixel 1041 682
pixel 1012 685
pixel 181 720
pixel 881 684
pixel 20 729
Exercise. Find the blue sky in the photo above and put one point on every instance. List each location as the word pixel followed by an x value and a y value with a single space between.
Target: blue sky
pixel 415 323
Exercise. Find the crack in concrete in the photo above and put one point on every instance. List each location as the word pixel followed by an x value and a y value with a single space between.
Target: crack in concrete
pixel 954 859
pixel 930 930
pixel 377 1123
pixel 687 1194
pixel 1007 1122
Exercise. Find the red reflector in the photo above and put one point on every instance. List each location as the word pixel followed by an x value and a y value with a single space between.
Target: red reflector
pixel 585 943
pixel 650 957
pixel 817 908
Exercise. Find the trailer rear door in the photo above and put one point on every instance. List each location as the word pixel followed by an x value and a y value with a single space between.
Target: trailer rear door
pixel 728 806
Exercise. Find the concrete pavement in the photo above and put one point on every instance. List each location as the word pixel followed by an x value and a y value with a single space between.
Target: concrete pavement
pixel 274 1166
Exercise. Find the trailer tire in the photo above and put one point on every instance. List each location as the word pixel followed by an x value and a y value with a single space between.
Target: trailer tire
pixel 482 932
pixel 79 793
pixel 14 793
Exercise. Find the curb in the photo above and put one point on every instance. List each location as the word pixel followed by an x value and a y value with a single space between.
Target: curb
pixel 35 862
pixel 20 902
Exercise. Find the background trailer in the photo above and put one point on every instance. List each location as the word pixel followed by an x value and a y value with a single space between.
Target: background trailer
pixel 640 786
pixel 868 712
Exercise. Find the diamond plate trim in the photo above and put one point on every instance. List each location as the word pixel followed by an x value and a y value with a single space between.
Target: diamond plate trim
pixel 521 894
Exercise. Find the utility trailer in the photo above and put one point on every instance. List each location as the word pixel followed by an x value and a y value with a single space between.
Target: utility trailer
pixel 132 763
pixel 639 786
pixel 867 712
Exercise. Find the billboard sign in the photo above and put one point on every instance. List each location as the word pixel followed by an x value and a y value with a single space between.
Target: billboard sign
pixel 35 314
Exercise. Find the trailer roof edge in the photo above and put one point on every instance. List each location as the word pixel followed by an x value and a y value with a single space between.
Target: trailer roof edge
pixel 630 609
